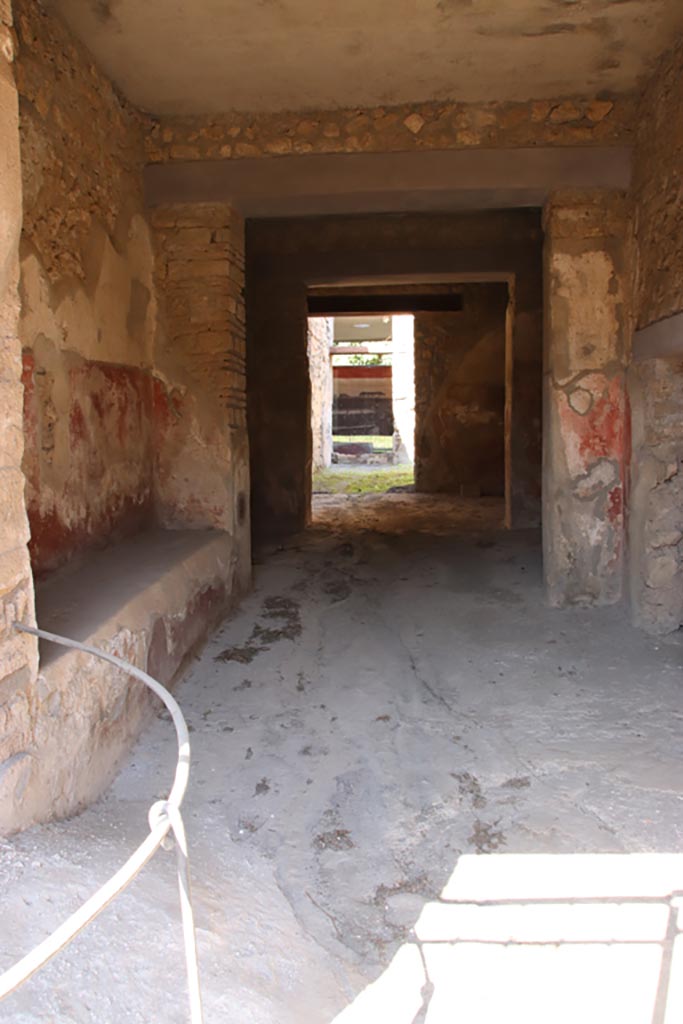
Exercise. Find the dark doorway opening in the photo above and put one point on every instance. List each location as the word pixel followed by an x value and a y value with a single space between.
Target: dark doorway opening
pixel 291 259
pixel 418 402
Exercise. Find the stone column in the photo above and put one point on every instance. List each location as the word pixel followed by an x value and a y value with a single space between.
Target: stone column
pixel 403 385
pixel 18 653
pixel 200 429
pixel 586 420
pixel 320 337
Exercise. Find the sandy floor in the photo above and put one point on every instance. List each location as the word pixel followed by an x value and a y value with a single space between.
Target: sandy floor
pixel 402 766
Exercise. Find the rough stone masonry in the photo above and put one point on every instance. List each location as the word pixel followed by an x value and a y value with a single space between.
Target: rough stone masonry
pixel 18 654
pixel 656 376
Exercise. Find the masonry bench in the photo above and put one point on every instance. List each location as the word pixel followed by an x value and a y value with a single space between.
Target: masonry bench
pixel 150 599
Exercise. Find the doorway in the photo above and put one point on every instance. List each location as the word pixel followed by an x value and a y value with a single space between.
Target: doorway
pixel 411 404
pixel 292 261
pixel 362 403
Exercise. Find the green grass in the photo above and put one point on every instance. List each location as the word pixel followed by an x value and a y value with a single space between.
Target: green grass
pixel 339 480
pixel 379 441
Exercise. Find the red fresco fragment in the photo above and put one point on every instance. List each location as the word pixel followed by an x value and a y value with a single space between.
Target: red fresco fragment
pixel 77 427
pixel 53 542
pixel 615 504
pixel 166 406
pixel 108 422
pixel 602 432
pixel 361 371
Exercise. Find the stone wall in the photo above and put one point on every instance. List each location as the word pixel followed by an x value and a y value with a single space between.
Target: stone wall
pixel 586 433
pixel 460 395
pixel 134 412
pixel 658 193
pixel 566 121
pixel 656 379
pixel 201 451
pixel 656 512
pixel 18 653
pixel 320 336
pixel 88 306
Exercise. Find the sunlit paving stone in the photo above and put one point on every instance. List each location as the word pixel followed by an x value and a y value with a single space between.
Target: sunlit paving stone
pixel 396 996
pixel 674 1001
pixel 565 984
pixel 565 876
pixel 548 922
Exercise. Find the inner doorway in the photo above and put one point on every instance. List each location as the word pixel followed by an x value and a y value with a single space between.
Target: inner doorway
pixel 414 403
pixel 362 403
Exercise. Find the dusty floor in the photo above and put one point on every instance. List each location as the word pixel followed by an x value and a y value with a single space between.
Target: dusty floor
pixel 435 514
pixel 392 728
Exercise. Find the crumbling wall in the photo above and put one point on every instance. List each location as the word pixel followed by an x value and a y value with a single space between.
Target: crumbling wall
pixel 658 192
pixel 656 512
pixel 656 376
pixel 565 121
pixel 18 653
pixel 320 336
pixel 201 450
pixel 133 412
pixel 460 395
pixel 88 306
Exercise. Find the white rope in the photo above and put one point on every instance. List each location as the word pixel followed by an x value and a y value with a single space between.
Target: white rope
pixel 164 817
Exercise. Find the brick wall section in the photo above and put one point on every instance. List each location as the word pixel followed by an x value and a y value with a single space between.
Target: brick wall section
pixel 18 656
pixel 567 121
pixel 656 384
pixel 200 431
pixel 88 308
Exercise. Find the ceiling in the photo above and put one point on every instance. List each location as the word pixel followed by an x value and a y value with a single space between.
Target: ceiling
pixel 212 56
pixel 356 329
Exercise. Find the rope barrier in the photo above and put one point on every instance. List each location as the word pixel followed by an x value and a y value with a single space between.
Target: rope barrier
pixel 164 817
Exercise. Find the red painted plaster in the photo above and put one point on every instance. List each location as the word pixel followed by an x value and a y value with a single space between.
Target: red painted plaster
pixel 361 371
pixel 94 484
pixel 602 433
pixel 602 429
pixel 615 504
pixel 77 425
